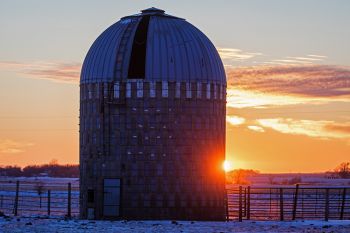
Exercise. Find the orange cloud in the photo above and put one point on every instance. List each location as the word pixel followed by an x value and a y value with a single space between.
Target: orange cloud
pixel 261 86
pixel 302 80
pixel 8 146
pixel 54 71
pixel 311 128
pixel 235 120
pixel 240 98
pixel 256 128
pixel 343 128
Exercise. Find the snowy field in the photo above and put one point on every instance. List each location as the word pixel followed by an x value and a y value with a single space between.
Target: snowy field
pixel 13 225
pixel 313 179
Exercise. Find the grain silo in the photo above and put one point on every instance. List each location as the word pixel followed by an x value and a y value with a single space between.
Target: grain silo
pixel 152 122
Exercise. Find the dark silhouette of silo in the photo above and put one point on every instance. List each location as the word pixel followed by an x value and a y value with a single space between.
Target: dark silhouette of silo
pixel 152 122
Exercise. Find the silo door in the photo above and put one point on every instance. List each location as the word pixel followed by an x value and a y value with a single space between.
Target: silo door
pixel 111 197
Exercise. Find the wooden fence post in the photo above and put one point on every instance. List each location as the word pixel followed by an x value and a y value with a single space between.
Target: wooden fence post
pixel 248 204
pixel 342 204
pixel 48 202
pixel 69 200
pixel 240 204
pixel 281 205
pixel 295 201
pixel 16 198
pixel 326 211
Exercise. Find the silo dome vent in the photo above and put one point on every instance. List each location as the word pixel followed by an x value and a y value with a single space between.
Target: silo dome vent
pixel 153 10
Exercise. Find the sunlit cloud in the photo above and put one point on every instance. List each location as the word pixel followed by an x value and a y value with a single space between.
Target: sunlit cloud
pixel 235 120
pixel 54 71
pixel 238 98
pixel 256 128
pixel 291 61
pixel 262 86
pixel 231 54
pixel 296 60
pixel 343 128
pixel 309 59
pixel 8 146
pixel 311 128
pixel 314 80
pixel 317 56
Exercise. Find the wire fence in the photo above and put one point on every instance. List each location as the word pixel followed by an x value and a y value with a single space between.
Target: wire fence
pixel 50 198
pixel 288 203
pixel 38 199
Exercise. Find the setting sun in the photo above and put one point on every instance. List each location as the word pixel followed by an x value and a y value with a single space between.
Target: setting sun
pixel 227 166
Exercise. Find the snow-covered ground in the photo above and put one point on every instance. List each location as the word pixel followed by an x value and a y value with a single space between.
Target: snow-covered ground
pixel 13 225
pixel 313 179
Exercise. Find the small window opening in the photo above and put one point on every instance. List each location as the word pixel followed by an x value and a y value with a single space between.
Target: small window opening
pixel 91 196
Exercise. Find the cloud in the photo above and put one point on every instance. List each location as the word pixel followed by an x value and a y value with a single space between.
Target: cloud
pixel 231 54
pixel 317 56
pixel 235 120
pixel 239 98
pixel 296 60
pixel 308 59
pixel 311 128
pixel 323 129
pixel 343 128
pixel 256 128
pixel 299 60
pixel 313 80
pixel 259 86
pixel 8 146
pixel 290 61
pixel 54 71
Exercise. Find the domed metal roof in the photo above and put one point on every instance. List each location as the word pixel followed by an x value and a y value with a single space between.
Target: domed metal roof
pixel 152 46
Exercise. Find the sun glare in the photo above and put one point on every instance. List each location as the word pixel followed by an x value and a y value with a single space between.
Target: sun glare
pixel 227 166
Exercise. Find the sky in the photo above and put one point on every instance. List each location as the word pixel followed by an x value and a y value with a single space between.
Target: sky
pixel 287 65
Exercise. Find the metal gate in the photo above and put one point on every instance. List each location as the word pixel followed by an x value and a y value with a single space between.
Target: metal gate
pixel 111 198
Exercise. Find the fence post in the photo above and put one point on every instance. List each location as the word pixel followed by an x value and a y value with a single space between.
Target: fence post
pixel 295 201
pixel 16 198
pixel 326 211
pixel 342 204
pixel 245 202
pixel 248 204
pixel 69 200
pixel 227 213
pixel 240 204
pixel 270 208
pixel 48 202
pixel 281 205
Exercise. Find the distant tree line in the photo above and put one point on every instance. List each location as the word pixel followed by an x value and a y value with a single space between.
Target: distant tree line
pixel 51 170
pixel 240 176
pixel 341 171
